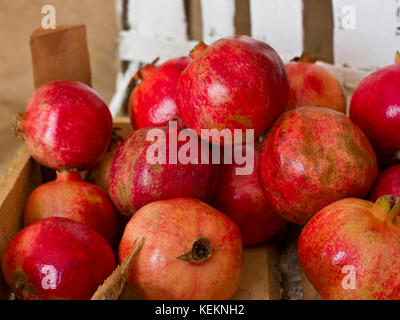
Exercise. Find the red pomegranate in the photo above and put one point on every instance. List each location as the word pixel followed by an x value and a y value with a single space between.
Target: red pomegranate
pixel 375 108
pixel 101 171
pixel 57 258
pixel 135 181
pixel 236 83
pixel 312 157
pixel 351 250
pixel 71 197
pixel 191 251
pixel 313 85
pixel 388 183
pixel 152 102
pixel 66 125
pixel 241 198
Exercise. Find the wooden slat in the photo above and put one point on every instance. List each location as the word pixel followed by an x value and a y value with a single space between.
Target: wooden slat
pixel 365 32
pixel 218 19
pixel 15 186
pixel 280 24
pixel 136 46
pixel 318 28
pixel 260 279
pixel 159 18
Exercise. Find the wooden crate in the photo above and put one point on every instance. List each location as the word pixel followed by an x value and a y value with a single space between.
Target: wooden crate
pixel 271 270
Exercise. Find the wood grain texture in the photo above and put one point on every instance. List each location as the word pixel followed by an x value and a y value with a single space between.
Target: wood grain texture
pixel 60 54
pixel 260 279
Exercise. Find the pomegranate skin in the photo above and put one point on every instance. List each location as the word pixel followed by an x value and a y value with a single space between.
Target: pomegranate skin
pixel 101 171
pixel 170 227
pixel 375 108
pixel 134 181
pixel 241 198
pixel 236 83
pixel 57 258
pixel 313 85
pixel 312 157
pixel 388 183
pixel 73 198
pixel 351 234
pixel 66 125
pixel 152 102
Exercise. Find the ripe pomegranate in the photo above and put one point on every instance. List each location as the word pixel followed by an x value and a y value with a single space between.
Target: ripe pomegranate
pixel 66 125
pixel 71 197
pixel 152 102
pixel 134 181
pixel 351 250
pixel 101 171
pixel 191 251
pixel 313 85
pixel 236 83
pixel 388 183
pixel 241 198
pixel 375 108
pixel 56 258
pixel 312 157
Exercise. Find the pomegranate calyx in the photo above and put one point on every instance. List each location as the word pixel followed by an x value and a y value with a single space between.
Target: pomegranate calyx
pixel 307 58
pixel 397 58
pixel 116 139
pixel 198 50
pixel 69 174
pixel 16 125
pixel 387 208
pixel 144 72
pixel 200 252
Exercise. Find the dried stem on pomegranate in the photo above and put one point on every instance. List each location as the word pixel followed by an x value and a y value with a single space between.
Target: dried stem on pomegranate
pixel 200 252
pixel 387 208
pixel 144 71
pixel 198 50
pixel 112 287
pixel 16 125
pixel 116 139
pixel 306 57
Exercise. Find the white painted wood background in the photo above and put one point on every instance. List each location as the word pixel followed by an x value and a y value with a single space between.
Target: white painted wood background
pixel 366 33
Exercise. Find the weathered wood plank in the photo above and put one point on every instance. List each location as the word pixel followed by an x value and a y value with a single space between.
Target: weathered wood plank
pixel 280 24
pixel 366 32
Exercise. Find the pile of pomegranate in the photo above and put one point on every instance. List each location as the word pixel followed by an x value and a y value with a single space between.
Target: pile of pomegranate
pixel 311 165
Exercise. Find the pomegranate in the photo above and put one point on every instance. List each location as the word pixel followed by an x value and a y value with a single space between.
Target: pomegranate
pixel 241 198
pixel 71 197
pixel 101 171
pixel 388 183
pixel 135 181
pixel 375 108
pixel 66 125
pixel 152 102
pixel 312 157
pixel 56 258
pixel 313 85
pixel 191 251
pixel 236 83
pixel 351 250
